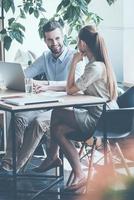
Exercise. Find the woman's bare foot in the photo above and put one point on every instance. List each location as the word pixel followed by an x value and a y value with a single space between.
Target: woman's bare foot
pixel 77 183
pixel 48 164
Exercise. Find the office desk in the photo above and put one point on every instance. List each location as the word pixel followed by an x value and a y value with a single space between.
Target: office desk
pixel 67 101
pixel 8 93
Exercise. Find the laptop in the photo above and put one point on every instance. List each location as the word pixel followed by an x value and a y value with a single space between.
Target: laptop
pixel 33 99
pixel 13 75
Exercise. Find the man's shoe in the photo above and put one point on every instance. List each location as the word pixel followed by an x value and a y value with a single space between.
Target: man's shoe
pixel 4 172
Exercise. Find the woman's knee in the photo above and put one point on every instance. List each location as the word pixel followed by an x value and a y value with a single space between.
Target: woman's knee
pixel 58 113
pixel 58 132
pixel 41 124
pixel 55 113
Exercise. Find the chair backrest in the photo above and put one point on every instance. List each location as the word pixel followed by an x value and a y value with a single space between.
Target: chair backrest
pixel 118 123
pixel 126 100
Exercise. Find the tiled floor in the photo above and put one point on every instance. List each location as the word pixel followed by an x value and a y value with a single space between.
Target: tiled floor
pixel 28 185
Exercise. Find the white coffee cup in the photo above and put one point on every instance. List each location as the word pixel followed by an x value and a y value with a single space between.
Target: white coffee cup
pixel 28 85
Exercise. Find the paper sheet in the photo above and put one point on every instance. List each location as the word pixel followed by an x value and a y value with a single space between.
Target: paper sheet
pixel 51 93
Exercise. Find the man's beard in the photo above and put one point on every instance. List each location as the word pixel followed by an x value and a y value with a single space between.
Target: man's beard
pixel 57 51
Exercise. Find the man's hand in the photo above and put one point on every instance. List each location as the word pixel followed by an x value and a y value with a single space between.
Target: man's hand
pixel 40 88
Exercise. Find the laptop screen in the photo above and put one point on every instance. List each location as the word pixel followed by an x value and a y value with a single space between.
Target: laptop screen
pixel 13 75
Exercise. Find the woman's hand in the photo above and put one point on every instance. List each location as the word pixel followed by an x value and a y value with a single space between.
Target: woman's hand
pixel 71 85
pixel 78 56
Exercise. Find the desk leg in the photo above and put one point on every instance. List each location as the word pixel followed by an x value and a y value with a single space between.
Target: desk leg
pixel 14 154
pixel 61 169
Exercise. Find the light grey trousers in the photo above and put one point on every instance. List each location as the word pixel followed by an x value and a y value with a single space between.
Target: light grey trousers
pixel 30 126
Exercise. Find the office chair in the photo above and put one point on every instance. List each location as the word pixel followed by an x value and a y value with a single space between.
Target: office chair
pixel 112 126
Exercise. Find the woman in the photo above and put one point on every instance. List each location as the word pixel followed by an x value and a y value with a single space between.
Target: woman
pixel 79 124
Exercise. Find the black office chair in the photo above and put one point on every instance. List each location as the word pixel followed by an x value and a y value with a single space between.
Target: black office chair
pixel 112 126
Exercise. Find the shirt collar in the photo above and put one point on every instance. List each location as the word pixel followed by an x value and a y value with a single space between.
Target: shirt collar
pixel 62 56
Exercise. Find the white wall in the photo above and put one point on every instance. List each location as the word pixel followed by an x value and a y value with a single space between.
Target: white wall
pixel 112 29
pixel 128 58
pixel 118 30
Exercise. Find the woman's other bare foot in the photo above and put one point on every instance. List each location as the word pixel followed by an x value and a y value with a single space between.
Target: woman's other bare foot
pixel 48 164
pixel 77 183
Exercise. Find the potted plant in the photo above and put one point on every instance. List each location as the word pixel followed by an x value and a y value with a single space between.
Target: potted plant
pixel 75 13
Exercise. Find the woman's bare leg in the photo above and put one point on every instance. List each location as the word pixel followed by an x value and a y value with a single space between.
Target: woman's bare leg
pixel 63 123
pixel 59 131
pixel 58 116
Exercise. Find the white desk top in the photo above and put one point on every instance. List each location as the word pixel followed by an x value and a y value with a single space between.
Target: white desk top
pixel 67 100
pixel 8 93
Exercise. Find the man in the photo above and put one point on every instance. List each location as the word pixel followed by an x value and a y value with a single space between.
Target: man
pixel 31 125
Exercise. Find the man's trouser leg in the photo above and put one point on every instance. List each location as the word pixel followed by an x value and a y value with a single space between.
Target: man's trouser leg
pixel 32 137
pixel 22 120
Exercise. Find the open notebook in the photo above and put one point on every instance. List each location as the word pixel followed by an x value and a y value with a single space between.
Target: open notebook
pixel 27 100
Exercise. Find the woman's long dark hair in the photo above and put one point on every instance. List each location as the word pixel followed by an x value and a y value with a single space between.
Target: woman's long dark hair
pixel 96 44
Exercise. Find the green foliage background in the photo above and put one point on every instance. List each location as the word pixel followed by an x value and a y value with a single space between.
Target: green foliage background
pixel 74 13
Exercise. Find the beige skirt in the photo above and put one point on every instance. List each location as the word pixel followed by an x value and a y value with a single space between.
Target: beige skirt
pixel 87 119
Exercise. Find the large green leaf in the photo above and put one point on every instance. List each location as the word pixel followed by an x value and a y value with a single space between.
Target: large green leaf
pixel 20 26
pixel 16 26
pixel 66 2
pixel 63 4
pixel 110 2
pixel 88 1
pixel 10 21
pixel 17 35
pixel 7 4
pixel 7 42
pixel 22 13
pixel 13 6
pixel 27 5
pixel 59 7
pixel 69 14
pixel 36 13
pixel 42 9
pixel 31 10
pixel 42 22
pixel 3 31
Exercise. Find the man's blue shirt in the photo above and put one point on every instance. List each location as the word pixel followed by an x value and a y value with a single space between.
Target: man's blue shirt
pixel 54 69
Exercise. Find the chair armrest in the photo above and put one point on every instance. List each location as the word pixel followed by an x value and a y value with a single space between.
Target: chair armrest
pixel 120 110
pixel 88 106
